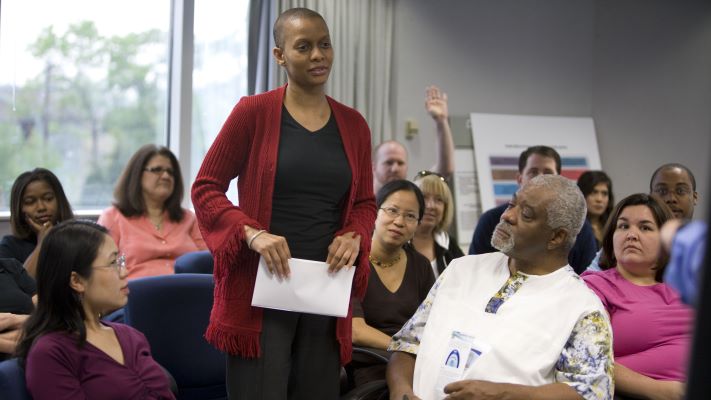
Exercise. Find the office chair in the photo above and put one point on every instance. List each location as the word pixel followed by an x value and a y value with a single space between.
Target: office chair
pixel 374 390
pixel 195 262
pixel 12 381
pixel 173 311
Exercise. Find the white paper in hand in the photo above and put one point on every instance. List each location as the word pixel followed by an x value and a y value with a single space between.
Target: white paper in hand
pixel 309 289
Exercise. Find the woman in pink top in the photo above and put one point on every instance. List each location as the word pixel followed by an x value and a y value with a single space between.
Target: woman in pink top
pixel 146 221
pixel 650 324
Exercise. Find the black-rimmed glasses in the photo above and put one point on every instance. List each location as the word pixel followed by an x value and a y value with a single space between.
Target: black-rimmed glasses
pixel 679 191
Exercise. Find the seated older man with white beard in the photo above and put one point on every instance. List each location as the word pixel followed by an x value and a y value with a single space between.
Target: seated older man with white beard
pixel 518 324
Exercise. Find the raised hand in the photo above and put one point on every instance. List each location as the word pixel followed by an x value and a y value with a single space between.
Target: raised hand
pixel 436 103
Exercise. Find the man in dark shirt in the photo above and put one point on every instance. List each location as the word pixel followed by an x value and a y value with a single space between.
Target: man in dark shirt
pixel 534 161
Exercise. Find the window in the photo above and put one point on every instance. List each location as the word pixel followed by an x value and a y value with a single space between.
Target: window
pixel 219 70
pixel 84 83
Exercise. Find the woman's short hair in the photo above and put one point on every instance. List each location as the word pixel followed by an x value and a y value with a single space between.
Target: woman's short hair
pixel 297 12
pixel 71 246
pixel 435 184
pixel 661 214
pixel 587 182
pixel 400 185
pixel 18 222
pixel 128 193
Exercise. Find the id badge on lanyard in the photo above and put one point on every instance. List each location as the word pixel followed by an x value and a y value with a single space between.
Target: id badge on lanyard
pixel 462 353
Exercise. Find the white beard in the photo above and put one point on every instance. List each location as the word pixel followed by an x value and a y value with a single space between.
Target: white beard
pixel 503 245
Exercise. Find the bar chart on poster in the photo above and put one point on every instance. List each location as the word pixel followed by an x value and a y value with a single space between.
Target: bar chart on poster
pixel 499 139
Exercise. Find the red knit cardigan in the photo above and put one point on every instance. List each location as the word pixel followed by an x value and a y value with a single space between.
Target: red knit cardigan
pixel 246 148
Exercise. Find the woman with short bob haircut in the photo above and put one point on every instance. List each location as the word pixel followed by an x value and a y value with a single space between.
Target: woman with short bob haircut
pixel 147 220
pixel 67 351
pixel 432 238
pixel 650 323
pixel 37 203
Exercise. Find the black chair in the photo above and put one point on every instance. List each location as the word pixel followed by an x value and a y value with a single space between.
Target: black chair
pixel 12 381
pixel 173 312
pixel 374 390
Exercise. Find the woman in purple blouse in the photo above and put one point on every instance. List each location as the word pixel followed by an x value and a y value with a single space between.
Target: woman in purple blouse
pixel 651 326
pixel 67 351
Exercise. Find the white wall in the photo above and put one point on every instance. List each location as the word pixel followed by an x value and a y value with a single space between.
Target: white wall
pixel 641 68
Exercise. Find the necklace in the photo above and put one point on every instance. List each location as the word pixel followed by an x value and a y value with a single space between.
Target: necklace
pixel 384 264
pixel 158 224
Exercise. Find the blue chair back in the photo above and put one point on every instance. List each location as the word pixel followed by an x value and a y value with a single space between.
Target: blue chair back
pixel 173 312
pixel 195 262
pixel 12 381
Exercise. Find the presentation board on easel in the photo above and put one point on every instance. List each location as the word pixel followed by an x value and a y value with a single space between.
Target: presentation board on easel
pixel 499 139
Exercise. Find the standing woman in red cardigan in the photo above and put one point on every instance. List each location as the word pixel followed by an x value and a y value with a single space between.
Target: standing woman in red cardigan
pixel 303 169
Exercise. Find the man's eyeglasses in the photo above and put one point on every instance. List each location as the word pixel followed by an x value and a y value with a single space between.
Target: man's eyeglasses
pixel 425 173
pixel 393 213
pixel 680 191
pixel 159 170
pixel 119 265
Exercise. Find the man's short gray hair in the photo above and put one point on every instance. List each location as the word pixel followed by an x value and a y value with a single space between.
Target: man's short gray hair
pixel 568 209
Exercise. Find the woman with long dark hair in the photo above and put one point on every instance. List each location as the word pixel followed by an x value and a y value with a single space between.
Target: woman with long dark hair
pixel 67 351
pixel 597 189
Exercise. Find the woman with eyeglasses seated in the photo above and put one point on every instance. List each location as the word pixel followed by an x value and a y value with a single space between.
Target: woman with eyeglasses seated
pixel 400 277
pixel 147 221
pixel 66 350
pixel 37 202
pixel 651 325
pixel 431 238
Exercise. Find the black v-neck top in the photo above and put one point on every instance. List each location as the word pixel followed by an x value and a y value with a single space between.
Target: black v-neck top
pixel 312 179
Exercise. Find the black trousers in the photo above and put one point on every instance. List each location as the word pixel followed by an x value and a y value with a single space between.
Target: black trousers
pixel 299 360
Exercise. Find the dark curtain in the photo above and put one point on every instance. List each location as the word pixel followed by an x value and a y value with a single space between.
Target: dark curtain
pixel 259 59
